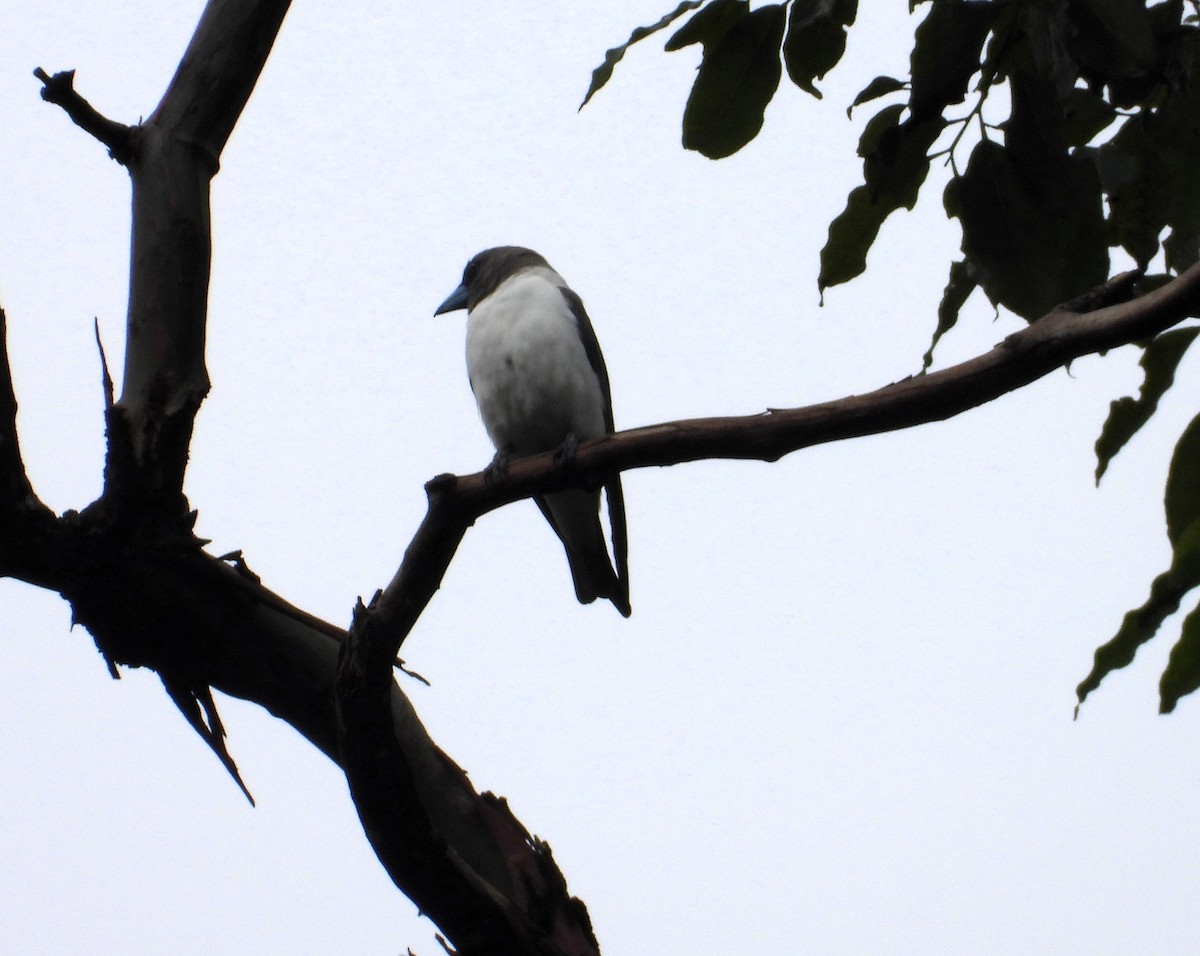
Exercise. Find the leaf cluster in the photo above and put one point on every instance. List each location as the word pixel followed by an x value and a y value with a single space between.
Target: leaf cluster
pixel 1070 130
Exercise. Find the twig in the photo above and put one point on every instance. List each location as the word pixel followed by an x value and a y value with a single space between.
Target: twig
pixel 59 89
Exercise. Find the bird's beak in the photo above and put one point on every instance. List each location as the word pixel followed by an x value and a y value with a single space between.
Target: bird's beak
pixel 456 300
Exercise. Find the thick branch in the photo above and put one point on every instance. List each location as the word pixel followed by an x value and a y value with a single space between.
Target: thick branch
pixel 136 576
pixel 219 71
pixel 524 910
pixel 178 153
pixel 171 159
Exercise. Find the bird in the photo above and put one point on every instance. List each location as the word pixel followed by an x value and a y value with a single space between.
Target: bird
pixel 534 365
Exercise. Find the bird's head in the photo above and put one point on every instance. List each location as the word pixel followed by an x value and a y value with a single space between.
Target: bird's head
pixel 485 272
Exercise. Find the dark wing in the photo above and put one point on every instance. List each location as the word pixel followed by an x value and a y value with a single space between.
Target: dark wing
pixel 592 348
pixel 540 501
pixel 612 487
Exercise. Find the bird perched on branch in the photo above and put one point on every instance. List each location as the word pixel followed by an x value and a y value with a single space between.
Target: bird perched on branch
pixel 539 379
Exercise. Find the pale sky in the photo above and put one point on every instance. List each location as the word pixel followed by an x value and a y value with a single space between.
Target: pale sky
pixel 839 720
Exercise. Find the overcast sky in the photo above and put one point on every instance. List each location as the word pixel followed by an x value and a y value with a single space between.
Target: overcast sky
pixel 839 720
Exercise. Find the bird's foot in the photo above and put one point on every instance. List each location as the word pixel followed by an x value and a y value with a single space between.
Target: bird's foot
pixel 564 454
pixel 497 469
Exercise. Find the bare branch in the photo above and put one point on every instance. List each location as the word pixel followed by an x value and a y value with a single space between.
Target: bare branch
pixel 1048 344
pixel 377 769
pixel 60 90
pixel 218 71
pixel 543 917
pixel 178 152
pixel 522 908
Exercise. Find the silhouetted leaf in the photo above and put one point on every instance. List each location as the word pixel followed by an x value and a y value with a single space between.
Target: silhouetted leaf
pixel 1043 27
pixel 816 39
pixel 880 86
pixel 1127 415
pixel 894 166
pixel 1182 249
pixel 1085 114
pixel 947 53
pixel 851 235
pixel 896 162
pixel 737 78
pixel 1182 675
pixel 1149 173
pixel 1173 132
pixel 1113 43
pixel 1141 624
pixel 1182 498
pixel 1182 505
pixel 603 73
pixel 1138 191
pixel 887 118
pixel 1031 211
pixel 958 289
pixel 709 25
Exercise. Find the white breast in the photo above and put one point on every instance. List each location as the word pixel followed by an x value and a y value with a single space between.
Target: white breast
pixel 528 367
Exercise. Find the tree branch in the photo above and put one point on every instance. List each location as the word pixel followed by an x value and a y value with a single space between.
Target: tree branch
pixel 27 526
pixel 377 770
pixel 219 71
pixel 171 159
pixel 138 579
pixel 1052 342
pixel 60 90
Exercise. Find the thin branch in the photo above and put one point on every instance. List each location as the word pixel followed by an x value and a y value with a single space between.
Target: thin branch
pixel 59 89
pixel 1048 344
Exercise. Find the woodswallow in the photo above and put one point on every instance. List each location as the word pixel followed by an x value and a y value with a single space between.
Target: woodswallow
pixel 539 379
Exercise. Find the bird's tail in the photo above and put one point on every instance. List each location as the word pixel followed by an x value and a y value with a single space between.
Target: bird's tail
pixel 593 576
pixel 575 516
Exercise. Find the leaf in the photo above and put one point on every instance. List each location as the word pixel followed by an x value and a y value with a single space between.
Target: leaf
pixel 816 39
pixel 737 78
pixel 709 25
pixel 1172 132
pixel 1085 114
pixel 1031 211
pixel 880 86
pixel 1182 675
pixel 958 289
pixel 1141 624
pixel 1182 498
pixel 1127 415
pixel 895 163
pixel 887 118
pixel 1112 39
pixel 1182 249
pixel 1138 190
pixel 946 53
pixel 851 235
pixel 603 73
pixel 1043 27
